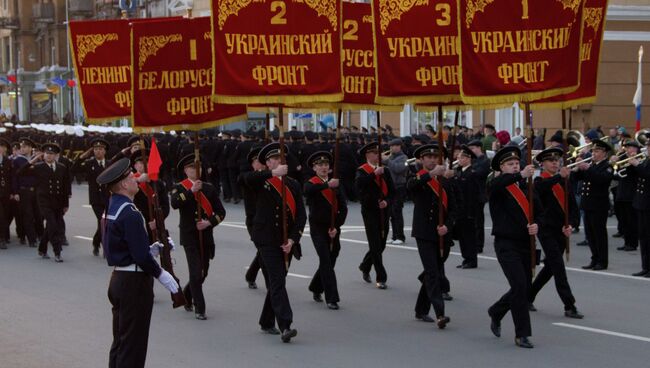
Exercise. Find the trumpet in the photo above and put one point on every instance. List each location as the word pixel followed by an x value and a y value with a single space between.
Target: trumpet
pixel 586 161
pixel 620 167
pixel 410 161
pixel 385 153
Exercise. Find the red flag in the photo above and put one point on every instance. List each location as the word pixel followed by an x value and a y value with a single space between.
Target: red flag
pixel 153 166
pixel 12 78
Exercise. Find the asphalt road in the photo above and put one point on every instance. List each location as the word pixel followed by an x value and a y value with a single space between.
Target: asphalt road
pixel 58 315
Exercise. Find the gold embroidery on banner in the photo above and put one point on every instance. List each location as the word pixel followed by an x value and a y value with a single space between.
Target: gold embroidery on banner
pixel 89 43
pixel 325 8
pixel 232 7
pixel 593 17
pixel 149 45
pixel 473 7
pixel 367 19
pixel 207 35
pixel 574 5
pixel 390 10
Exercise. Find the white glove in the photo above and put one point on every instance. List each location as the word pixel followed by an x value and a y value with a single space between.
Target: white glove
pixel 168 282
pixel 172 245
pixel 154 249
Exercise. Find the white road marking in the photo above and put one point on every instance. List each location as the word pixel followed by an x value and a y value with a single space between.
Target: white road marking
pixel 83 237
pixel 86 206
pixel 292 274
pixel 604 332
pixel 406 247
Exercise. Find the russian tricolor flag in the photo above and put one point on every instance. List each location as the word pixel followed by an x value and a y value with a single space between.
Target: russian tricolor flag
pixel 638 95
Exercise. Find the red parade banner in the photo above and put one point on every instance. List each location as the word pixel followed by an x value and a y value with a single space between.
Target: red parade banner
pixel 592 39
pixel 274 52
pixel 519 50
pixel 102 64
pixel 172 77
pixel 416 45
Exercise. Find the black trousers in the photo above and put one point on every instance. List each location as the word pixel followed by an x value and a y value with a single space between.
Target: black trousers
pixel 29 214
pixel 466 230
pixel 514 258
pixel 554 247
pixel 225 183
pixel 193 290
pixel 630 226
pixel 328 250
pixel 396 217
pixel 234 187
pixel 54 230
pixel 13 214
pixel 276 303
pixel 480 226
pixel 131 295
pixel 644 237
pixel 433 278
pixel 5 215
pixel 254 268
pixel 98 210
pixel 596 230
pixel 376 234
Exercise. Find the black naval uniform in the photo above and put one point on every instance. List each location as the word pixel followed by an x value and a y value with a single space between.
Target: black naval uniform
pixel 185 201
pixel 595 204
pixel 623 200
pixel 641 204
pixel 468 185
pixel 319 199
pixel 142 198
pixel 97 194
pixel 481 168
pixel 53 192
pixel 25 186
pixel 512 246
pixel 551 193
pixel 375 220
pixel 425 224
pixel 5 203
pixel 250 202
pixel 267 236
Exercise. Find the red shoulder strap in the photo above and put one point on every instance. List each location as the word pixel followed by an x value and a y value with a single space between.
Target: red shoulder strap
pixel 277 184
pixel 379 180
pixel 200 198
pixel 328 193
pixel 520 197
pixel 558 191
pixel 435 187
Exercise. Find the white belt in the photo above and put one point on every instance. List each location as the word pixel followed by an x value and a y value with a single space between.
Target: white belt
pixel 129 268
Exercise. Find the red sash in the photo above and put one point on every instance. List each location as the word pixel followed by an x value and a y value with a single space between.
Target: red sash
pixel 558 191
pixel 277 184
pixel 520 197
pixel 435 186
pixel 328 193
pixel 145 187
pixel 199 197
pixel 379 180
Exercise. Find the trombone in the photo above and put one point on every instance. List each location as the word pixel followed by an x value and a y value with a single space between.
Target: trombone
pixel 586 161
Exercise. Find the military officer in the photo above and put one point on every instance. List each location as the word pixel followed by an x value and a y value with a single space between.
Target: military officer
pixel 596 177
pixel 144 198
pixel 250 201
pixel 52 194
pixel 97 195
pixel 322 195
pixel 126 248
pixel 467 182
pixel 375 189
pixel 6 192
pixel 623 200
pixel 551 186
pixel 511 229
pixel 641 203
pixel 268 236
pixel 24 187
pixel 425 189
pixel 196 234
pixel 481 168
